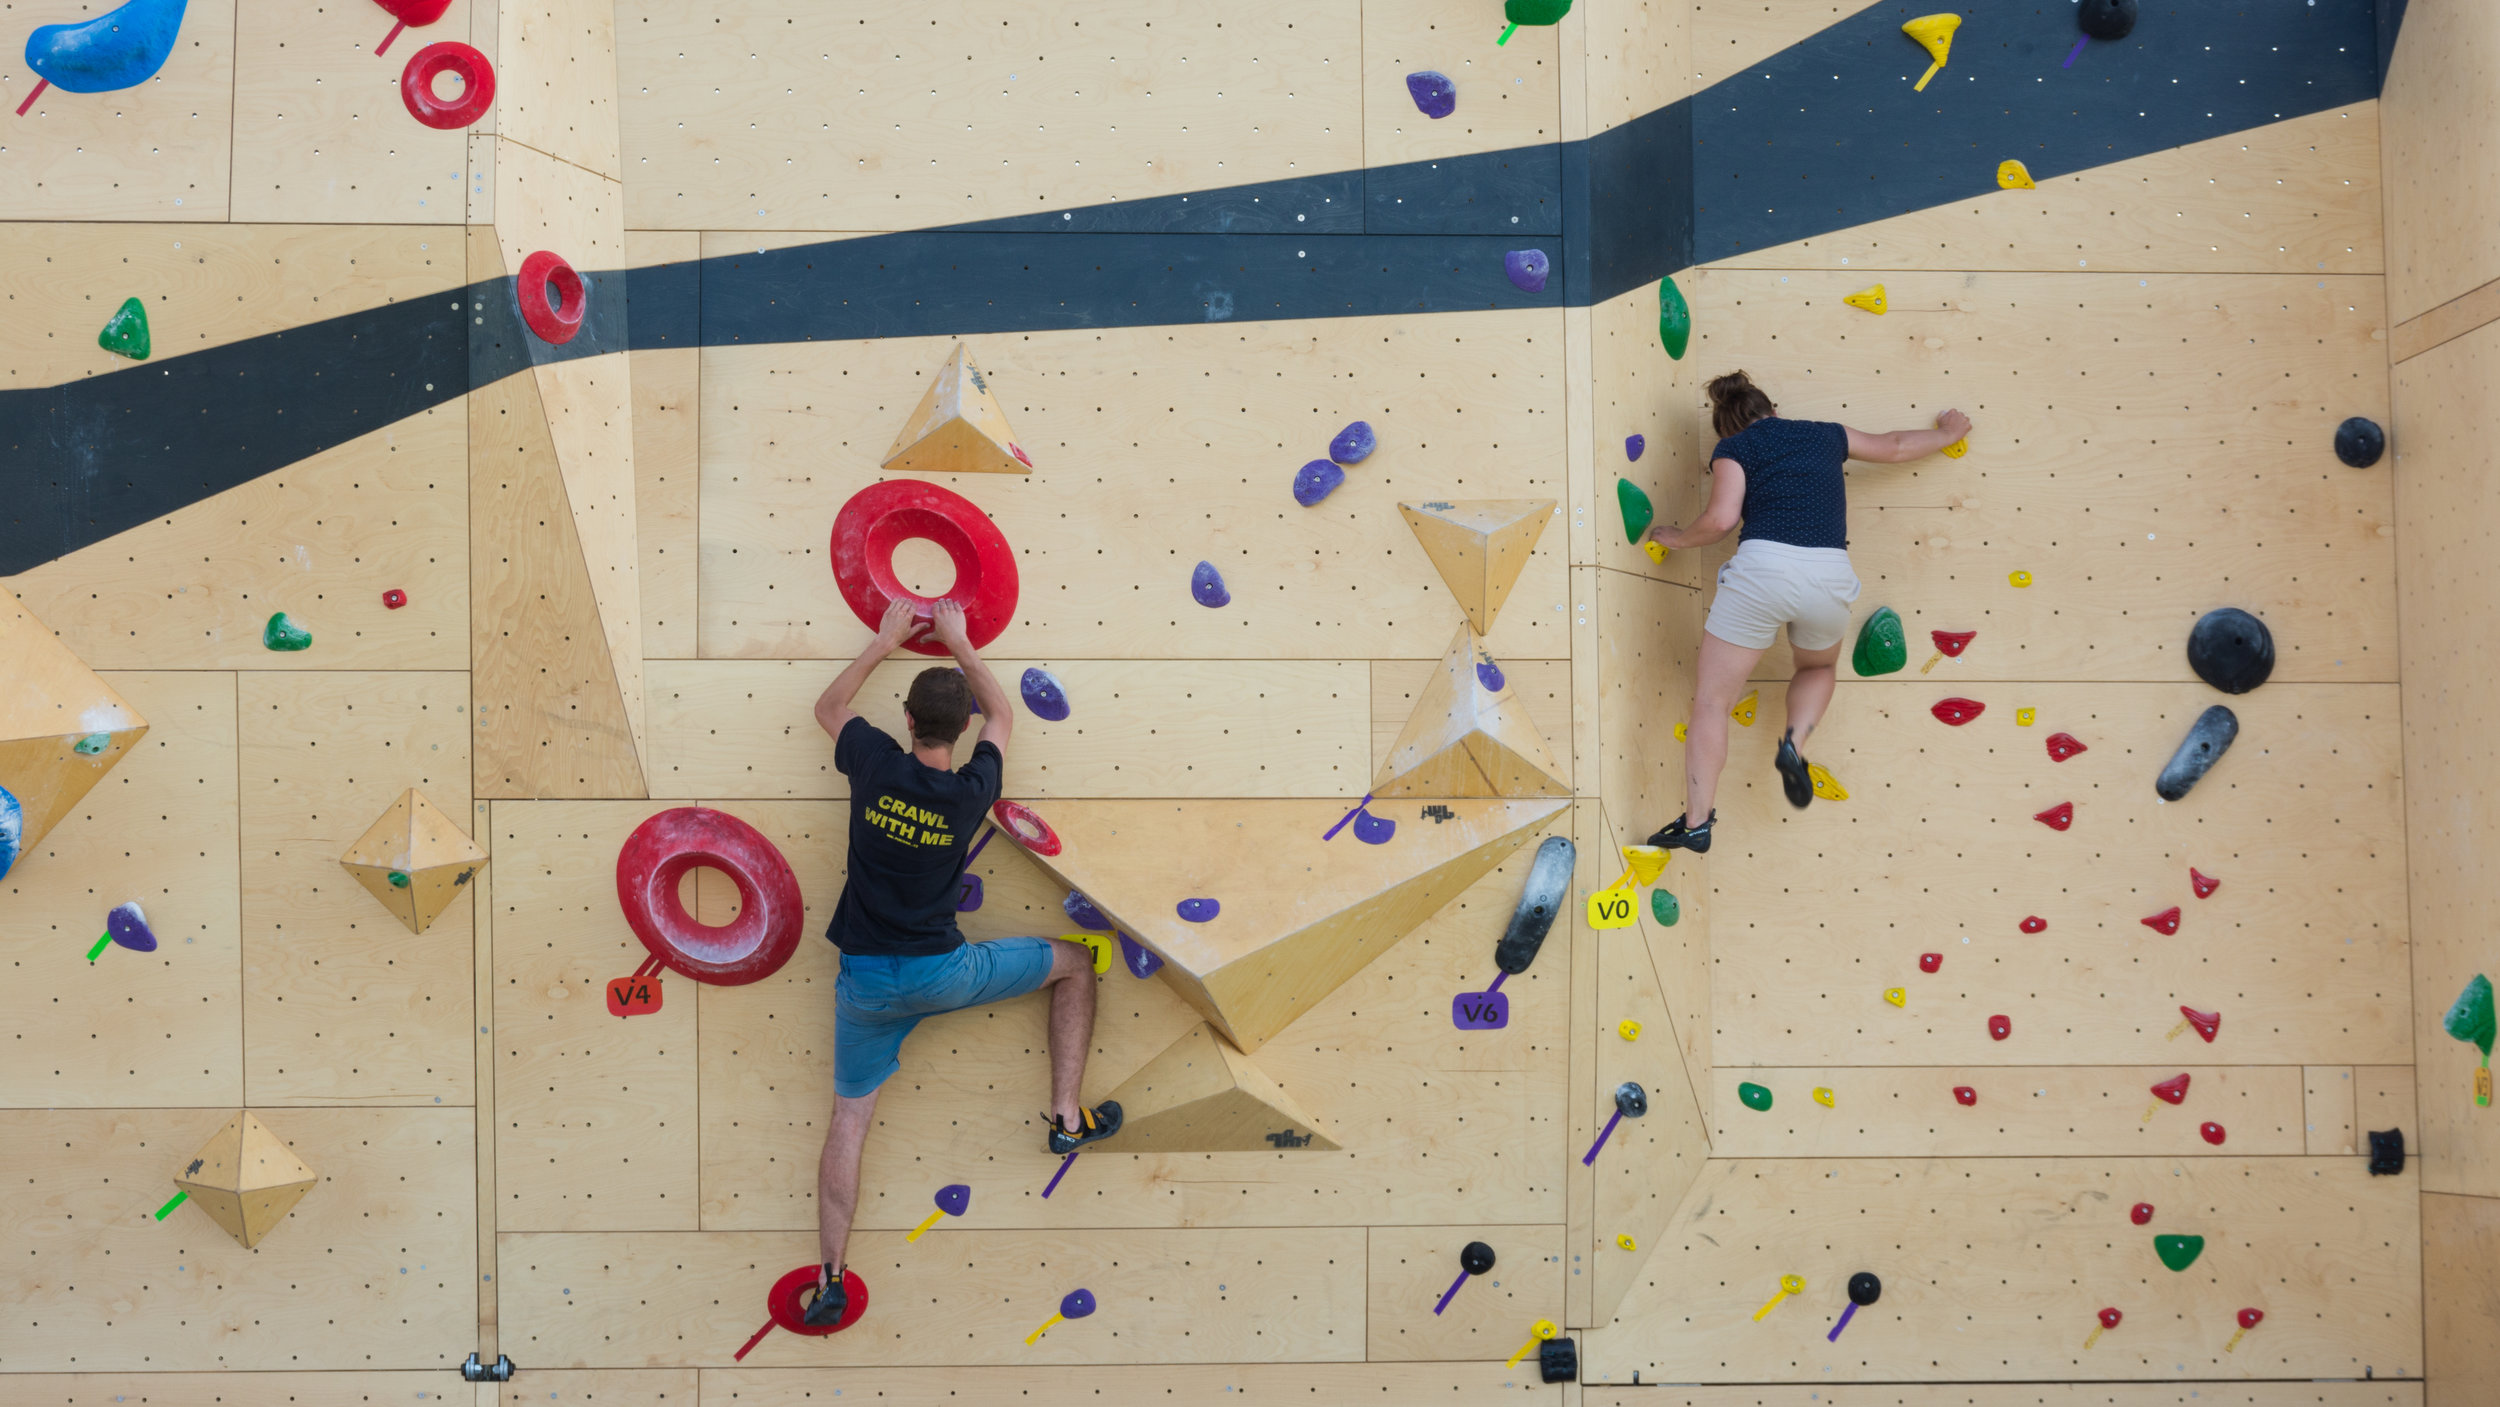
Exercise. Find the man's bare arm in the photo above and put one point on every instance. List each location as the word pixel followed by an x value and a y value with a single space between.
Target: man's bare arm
pixel 998 712
pixel 833 706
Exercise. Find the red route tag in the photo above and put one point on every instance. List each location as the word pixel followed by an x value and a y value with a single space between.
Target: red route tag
pixel 634 996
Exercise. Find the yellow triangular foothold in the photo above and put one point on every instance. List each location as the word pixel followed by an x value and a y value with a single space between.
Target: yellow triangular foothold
pixel 2014 176
pixel 1826 785
pixel 1743 712
pixel 1958 448
pixel 1679 732
pixel 1647 862
pixel 1823 1096
pixel 1871 299
pixel 1934 33
pixel 1896 996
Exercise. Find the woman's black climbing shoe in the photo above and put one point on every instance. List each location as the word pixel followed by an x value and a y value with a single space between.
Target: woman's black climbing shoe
pixel 825 1307
pixel 1101 1121
pixel 1675 835
pixel 1793 776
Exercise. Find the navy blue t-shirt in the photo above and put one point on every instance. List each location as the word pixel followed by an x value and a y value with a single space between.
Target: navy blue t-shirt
pixel 911 831
pixel 1794 491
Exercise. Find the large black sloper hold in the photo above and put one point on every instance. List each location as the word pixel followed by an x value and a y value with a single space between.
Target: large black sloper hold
pixel 2208 738
pixel 2106 19
pixel 2231 650
pixel 1549 883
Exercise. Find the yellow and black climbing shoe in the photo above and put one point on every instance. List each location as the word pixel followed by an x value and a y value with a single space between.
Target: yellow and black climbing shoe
pixel 1794 778
pixel 1675 835
pixel 1101 1121
pixel 824 1308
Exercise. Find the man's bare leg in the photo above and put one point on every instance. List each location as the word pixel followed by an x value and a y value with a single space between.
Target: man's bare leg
pixel 837 1177
pixel 1071 984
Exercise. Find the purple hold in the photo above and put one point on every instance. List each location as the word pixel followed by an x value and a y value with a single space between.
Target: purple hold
pixel 1527 269
pixel 954 1199
pixel 1200 910
pixel 1141 959
pixel 1318 479
pixel 1632 447
pixel 1374 830
pixel 1081 912
pixel 1207 584
pixel 1435 95
pixel 1045 696
pixel 1354 443
pixel 968 896
pixel 129 928
pixel 1489 675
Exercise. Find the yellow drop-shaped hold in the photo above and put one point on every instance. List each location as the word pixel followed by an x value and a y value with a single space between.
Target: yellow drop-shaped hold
pixel 1628 1028
pixel 1625 1240
pixel 1657 551
pixel 1681 732
pixel 1896 996
pixel 1647 862
pixel 2013 176
pixel 1958 448
pixel 1743 712
pixel 1823 1095
pixel 1826 785
pixel 2020 579
pixel 1871 299
pixel 1101 943
pixel 1934 33
pixel 2023 717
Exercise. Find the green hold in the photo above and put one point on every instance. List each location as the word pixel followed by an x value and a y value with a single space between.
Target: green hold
pixel 2471 1018
pixel 1755 1096
pixel 1535 11
pixel 1675 319
pixel 1882 647
pixel 398 880
pixel 94 743
pixel 1662 907
pixel 2178 1252
pixel 284 634
pixel 1637 514
pixel 125 333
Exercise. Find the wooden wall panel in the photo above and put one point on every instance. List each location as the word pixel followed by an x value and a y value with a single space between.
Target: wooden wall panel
pixel 667 389
pixel 2443 176
pixel 2328 1098
pixel 2460 1317
pixel 1412 1267
pixel 1508 95
pixel 320 130
pixel 2036 1111
pixel 2192 1394
pixel 160 151
pixel 556 93
pixel 216 1389
pixel 1453 1384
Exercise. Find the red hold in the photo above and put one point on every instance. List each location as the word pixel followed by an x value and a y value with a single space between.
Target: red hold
pixel 2207 1023
pixel 748 948
pixel 1024 827
pixel 2205 884
pixel 2142 1215
pixel 551 296
pixel 2251 1318
pixel 394 598
pixel 2213 1132
pixel 2167 921
pixel 408 12
pixel 2110 1317
pixel 1951 643
pixel 1929 962
pixel 880 517
pixel 1953 713
pixel 2064 745
pixel 2058 817
pixel 785 1300
pixel 1999 1027
pixel 2172 1090
pixel 1965 1095
pixel 2035 924
pixel 477 85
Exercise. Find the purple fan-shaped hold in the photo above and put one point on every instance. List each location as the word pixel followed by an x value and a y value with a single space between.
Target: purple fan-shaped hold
pixel 129 928
pixel 1633 445
pixel 1076 1304
pixel 1081 912
pixel 1044 694
pixel 1207 584
pixel 1316 481
pixel 955 1198
pixel 1489 675
pixel 1199 910
pixel 1527 269
pixel 1141 959
pixel 1435 95
pixel 1374 830
pixel 1354 443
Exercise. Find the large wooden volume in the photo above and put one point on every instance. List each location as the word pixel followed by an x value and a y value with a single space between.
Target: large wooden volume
pixel 1201 1095
pixel 1469 735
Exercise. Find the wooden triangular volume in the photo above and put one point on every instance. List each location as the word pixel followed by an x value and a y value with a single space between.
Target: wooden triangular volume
pixel 61 728
pixel 1258 918
pixel 1469 735
pixel 1201 1095
pixel 415 860
pixel 246 1179
pixel 958 427
pixel 1479 545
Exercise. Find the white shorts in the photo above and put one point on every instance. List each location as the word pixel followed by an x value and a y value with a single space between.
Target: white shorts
pixel 1770 584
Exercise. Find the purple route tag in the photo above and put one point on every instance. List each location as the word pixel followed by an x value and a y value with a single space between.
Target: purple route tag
pixel 968 898
pixel 1480 1011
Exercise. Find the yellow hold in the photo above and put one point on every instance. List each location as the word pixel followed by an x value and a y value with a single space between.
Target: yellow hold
pixel 1871 299
pixel 2020 580
pixel 1743 712
pixel 1647 862
pixel 1657 551
pixel 2014 176
pixel 1628 1028
pixel 2023 717
pixel 1823 1095
pixel 1680 731
pixel 1896 996
pixel 1826 785
pixel 1958 448
pixel 1934 33
pixel 1625 1240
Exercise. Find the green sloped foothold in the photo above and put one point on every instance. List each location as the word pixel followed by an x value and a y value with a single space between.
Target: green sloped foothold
pixel 1675 319
pixel 94 743
pixel 1755 1096
pixel 2471 1018
pixel 1535 11
pixel 1637 514
pixel 126 331
pixel 398 880
pixel 2178 1252
pixel 1882 648
pixel 1662 907
pixel 284 634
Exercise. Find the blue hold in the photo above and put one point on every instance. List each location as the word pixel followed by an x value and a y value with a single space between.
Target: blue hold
pixel 1199 910
pixel 1318 479
pixel 119 49
pixel 1045 696
pixel 1633 445
pixel 1527 269
pixel 1354 443
pixel 1435 95
pixel 1081 912
pixel 1207 584
pixel 12 831
pixel 1489 675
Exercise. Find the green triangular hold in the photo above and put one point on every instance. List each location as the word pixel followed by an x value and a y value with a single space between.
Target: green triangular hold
pixel 2178 1252
pixel 1755 1096
pixel 1637 514
pixel 1675 319
pixel 126 331
pixel 284 634
pixel 2471 1018
pixel 1882 646
pixel 1662 907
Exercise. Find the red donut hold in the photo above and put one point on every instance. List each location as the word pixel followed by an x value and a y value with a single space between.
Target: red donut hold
pixel 748 948
pixel 1025 827
pixel 477 79
pixel 787 1300
pixel 551 296
pixel 880 517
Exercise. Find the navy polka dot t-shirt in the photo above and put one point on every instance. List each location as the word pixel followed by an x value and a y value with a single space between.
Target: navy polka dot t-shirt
pixel 1794 492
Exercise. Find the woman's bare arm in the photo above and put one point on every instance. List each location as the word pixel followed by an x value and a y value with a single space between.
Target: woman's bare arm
pixel 1718 518
pixel 1902 446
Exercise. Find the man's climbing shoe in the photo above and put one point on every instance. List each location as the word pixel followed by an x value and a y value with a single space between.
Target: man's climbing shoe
pixel 1793 775
pixel 1675 835
pixel 828 1301
pixel 1101 1121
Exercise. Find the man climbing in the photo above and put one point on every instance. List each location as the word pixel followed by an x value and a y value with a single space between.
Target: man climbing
pixel 913 816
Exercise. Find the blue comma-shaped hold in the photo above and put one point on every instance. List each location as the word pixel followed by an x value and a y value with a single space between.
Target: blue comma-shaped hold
pixel 1045 696
pixel 1354 443
pixel 118 49
pixel 1489 675
pixel 1081 912
pixel 12 831
pixel 1207 584
pixel 1633 445
pixel 128 927
pixel 1141 960
pixel 1527 269
pixel 1199 910
pixel 1316 481
pixel 1435 95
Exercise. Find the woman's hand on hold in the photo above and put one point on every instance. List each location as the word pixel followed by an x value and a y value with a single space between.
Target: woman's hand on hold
pixel 1954 423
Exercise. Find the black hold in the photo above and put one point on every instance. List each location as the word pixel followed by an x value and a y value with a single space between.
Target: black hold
pixel 2387 1152
pixel 1549 883
pixel 1631 1101
pixel 1558 1361
pixel 1864 1288
pixel 476 1372
pixel 2231 650
pixel 194 1169
pixel 2206 741
pixel 2359 442
pixel 2106 19
pixel 1476 1258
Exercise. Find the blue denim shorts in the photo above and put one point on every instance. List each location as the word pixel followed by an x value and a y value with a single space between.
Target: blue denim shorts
pixel 878 1000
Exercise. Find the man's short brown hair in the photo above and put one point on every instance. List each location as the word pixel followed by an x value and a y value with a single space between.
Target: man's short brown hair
pixel 941 704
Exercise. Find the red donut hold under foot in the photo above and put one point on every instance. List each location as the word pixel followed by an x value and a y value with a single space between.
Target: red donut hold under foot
pixel 748 948
pixel 881 517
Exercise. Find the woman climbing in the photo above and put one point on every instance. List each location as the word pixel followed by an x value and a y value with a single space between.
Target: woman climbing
pixel 1783 480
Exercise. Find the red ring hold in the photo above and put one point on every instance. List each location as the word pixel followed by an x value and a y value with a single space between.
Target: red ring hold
pixel 554 320
pixel 881 516
pixel 748 948
pixel 1024 827
pixel 784 1300
pixel 477 78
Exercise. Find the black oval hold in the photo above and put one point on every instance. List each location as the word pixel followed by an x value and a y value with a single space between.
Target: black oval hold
pixel 1864 1288
pixel 2359 442
pixel 1549 880
pixel 2106 19
pixel 1631 1101
pixel 2231 650
pixel 1476 1259
pixel 2208 738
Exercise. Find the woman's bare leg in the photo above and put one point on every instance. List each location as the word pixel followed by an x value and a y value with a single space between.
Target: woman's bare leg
pixel 1722 672
pixel 1810 691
